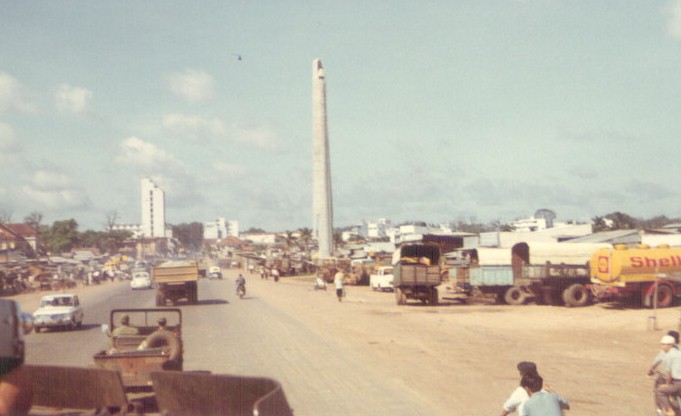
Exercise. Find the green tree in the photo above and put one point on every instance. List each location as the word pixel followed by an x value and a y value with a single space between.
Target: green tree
pixel 34 220
pixel 289 240
pixel 622 221
pixel 306 238
pixel 62 236
pixel 337 239
pixel 190 235
pixel 599 224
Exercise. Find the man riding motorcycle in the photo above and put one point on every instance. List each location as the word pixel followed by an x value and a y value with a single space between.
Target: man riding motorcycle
pixel 240 285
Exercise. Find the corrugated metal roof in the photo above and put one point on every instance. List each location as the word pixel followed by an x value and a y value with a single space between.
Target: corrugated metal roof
pixel 612 237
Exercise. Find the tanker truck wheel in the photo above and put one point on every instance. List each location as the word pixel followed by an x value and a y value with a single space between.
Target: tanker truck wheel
pixel 514 296
pixel 576 295
pixel 665 297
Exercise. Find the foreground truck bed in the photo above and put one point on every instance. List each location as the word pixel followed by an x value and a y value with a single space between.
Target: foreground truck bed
pixel 87 391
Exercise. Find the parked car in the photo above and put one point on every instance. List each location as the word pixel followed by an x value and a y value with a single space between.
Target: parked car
pixel 141 280
pixel 62 311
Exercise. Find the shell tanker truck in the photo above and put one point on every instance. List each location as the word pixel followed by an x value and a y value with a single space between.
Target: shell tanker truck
pixel 633 273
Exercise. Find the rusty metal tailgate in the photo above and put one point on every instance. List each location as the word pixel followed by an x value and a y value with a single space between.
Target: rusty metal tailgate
pixel 210 394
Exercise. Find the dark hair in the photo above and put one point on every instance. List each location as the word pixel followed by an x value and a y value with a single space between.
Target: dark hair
pixel 534 382
pixel 674 334
pixel 526 367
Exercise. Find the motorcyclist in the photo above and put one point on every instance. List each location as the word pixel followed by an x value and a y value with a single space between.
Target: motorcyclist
pixel 240 282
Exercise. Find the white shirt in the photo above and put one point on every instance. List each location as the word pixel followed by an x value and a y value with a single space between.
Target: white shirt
pixel 516 400
pixel 338 280
pixel 672 362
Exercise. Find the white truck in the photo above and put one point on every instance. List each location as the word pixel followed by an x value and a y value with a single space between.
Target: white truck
pixel 382 279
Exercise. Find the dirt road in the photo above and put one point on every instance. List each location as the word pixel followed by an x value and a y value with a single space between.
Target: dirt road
pixel 461 359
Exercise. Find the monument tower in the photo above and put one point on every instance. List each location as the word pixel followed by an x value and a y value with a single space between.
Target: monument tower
pixel 322 208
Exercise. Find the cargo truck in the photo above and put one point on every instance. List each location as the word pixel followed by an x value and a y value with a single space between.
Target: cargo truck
pixel 550 273
pixel 417 273
pixel 175 281
pixel 651 274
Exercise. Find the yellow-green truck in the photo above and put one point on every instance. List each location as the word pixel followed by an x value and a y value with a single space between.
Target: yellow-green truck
pixel 175 281
pixel 417 272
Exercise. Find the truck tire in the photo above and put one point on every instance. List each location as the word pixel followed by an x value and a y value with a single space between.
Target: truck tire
pixel 515 296
pixel 400 296
pixel 576 295
pixel 163 338
pixel 665 297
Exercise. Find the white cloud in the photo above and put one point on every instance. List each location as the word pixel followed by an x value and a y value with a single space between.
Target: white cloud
pixel 147 157
pixel 196 128
pixel 192 85
pixel 8 142
pixel 229 168
pixel 12 95
pixel 53 190
pixel 149 160
pixel 674 26
pixel 72 99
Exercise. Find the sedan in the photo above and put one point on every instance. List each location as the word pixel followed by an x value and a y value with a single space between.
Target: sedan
pixel 58 311
pixel 141 280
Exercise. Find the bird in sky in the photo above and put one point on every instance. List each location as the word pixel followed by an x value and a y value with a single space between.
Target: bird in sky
pixel 238 57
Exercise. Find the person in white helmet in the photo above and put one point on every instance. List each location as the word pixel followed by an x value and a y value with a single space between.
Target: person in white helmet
pixel 672 369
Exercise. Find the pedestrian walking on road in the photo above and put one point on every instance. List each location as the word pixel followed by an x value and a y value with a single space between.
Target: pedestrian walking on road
pixel 338 281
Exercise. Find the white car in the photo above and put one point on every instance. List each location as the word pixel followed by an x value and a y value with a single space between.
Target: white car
pixel 382 279
pixel 58 311
pixel 141 280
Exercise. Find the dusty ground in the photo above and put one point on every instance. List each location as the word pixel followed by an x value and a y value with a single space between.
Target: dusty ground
pixel 463 356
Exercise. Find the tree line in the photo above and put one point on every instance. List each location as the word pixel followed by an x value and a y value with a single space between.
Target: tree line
pixel 63 236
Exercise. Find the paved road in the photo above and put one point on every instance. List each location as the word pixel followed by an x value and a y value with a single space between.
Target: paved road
pixel 254 336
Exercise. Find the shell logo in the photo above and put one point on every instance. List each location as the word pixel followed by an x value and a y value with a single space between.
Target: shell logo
pixel 603 264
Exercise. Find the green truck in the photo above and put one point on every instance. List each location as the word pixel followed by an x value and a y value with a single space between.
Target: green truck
pixel 417 273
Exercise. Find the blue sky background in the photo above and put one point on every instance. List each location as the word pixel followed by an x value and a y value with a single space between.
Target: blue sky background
pixel 438 110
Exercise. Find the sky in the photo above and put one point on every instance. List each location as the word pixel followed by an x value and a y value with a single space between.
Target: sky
pixel 438 111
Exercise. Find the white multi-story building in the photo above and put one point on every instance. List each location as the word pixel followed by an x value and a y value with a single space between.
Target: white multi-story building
pixel 233 228
pixel 135 229
pixel 153 210
pixel 219 229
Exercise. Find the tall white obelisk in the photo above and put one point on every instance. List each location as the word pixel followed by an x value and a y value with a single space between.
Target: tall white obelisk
pixel 322 207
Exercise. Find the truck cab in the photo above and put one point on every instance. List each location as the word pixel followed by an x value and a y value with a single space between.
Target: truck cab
pixel 382 279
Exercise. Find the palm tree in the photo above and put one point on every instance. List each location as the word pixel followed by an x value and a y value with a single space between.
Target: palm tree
pixel 305 238
pixel 290 240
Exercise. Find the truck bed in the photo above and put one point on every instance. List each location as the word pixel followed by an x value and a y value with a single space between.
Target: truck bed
pixel 175 272
pixel 417 274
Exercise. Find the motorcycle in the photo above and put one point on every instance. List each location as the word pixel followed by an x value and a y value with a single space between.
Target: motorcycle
pixel 659 378
pixel 241 291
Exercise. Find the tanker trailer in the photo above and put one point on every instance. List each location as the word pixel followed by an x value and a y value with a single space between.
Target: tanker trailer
pixel 635 273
